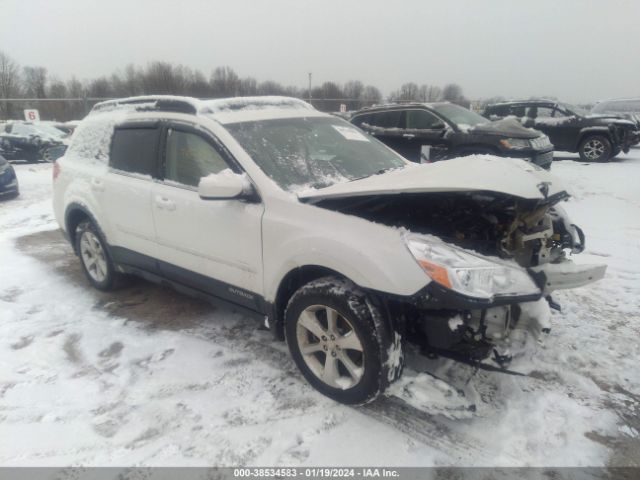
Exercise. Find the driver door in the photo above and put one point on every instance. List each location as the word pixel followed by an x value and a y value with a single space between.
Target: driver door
pixel 424 135
pixel 214 246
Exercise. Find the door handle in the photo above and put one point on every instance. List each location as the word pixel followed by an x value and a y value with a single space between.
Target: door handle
pixel 97 185
pixel 408 135
pixel 163 203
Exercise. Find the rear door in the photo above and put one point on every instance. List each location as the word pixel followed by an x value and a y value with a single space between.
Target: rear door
pixel 387 126
pixel 125 192
pixel 556 124
pixel 214 246
pixel 424 136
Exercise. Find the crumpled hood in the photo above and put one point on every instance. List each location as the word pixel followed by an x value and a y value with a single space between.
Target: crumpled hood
pixel 507 127
pixel 466 174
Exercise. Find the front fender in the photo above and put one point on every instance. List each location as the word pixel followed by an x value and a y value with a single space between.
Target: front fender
pixel 601 130
pixel 371 255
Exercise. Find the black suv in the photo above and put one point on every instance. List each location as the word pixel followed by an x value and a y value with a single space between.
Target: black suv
pixel 437 131
pixel 571 129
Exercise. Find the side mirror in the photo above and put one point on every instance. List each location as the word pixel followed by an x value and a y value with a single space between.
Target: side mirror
pixel 223 186
pixel 438 126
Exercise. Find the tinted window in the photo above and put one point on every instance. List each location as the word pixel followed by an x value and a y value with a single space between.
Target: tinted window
pixel 517 110
pixel 190 157
pixel 539 112
pixel 134 150
pixel 422 120
pixel 360 119
pixel 386 119
pixel 498 110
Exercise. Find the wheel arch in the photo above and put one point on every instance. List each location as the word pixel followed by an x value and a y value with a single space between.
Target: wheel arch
pixel 594 131
pixel 290 283
pixel 74 214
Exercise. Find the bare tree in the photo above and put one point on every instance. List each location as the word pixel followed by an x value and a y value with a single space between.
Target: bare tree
pixel 353 91
pixel 35 82
pixel 225 82
pixel 408 92
pixel 430 93
pixel 371 95
pixel 9 83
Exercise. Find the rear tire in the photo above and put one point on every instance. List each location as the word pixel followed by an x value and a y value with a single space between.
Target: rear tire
pixel 595 148
pixel 95 258
pixel 340 342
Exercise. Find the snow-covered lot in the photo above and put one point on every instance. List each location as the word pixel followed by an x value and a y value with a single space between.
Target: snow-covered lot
pixel 146 376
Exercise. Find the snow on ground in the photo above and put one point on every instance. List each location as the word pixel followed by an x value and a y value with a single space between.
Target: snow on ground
pixel 146 376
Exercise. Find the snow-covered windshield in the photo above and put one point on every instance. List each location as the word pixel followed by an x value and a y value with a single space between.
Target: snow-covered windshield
pixel 617 106
pixel 51 130
pixel 459 116
pixel 312 151
pixel 574 109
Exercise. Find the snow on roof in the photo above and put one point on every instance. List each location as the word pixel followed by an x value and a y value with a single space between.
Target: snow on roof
pixel 225 110
pixel 147 102
pixel 235 104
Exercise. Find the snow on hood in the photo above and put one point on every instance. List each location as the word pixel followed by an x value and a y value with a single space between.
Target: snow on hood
pixel 473 173
pixel 507 127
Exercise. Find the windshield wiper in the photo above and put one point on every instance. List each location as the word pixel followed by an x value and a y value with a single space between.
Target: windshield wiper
pixel 379 172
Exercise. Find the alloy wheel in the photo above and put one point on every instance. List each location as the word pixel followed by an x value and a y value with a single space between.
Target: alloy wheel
pixel 330 346
pixel 93 256
pixel 594 149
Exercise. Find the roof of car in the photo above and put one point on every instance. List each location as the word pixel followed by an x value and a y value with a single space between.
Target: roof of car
pixel 225 110
pixel 393 105
pixel 530 102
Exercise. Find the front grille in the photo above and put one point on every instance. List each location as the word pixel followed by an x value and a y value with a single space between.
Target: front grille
pixel 544 158
pixel 540 142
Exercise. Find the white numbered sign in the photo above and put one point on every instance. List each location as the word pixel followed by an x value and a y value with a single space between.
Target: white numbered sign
pixel 31 115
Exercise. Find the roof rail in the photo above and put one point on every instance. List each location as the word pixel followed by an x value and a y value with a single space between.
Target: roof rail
pixel 153 103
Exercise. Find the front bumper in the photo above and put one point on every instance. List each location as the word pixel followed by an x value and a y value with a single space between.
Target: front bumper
pixel 451 324
pixel 8 182
pixel 543 158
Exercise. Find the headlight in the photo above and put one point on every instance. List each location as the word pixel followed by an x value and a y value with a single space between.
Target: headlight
pixel 467 272
pixel 515 143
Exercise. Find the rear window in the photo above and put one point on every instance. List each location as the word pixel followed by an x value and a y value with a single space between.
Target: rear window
pixel 134 150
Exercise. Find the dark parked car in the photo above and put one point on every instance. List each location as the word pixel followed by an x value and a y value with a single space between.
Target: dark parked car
pixel 438 131
pixel 628 108
pixel 31 141
pixel 8 180
pixel 571 129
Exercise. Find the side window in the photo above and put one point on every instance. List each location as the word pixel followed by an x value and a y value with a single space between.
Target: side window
pixel 390 119
pixel 134 150
pixel 190 157
pixel 539 112
pixel 360 119
pixel 517 110
pixel 421 120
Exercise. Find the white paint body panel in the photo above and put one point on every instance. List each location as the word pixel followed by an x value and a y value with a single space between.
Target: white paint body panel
pixel 474 173
pixel 253 246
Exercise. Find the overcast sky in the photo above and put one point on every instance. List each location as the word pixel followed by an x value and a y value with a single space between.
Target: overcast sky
pixel 577 50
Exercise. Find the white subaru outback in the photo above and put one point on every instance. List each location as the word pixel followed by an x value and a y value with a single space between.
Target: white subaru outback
pixel 342 247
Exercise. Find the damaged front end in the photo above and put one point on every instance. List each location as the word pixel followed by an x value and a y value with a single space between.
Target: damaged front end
pixel 493 259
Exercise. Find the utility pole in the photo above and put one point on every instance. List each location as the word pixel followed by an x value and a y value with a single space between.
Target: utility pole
pixel 309 87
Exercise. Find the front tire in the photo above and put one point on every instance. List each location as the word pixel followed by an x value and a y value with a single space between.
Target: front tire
pixel 94 257
pixel 595 148
pixel 340 343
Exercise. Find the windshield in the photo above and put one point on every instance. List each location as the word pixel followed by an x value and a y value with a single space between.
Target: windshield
pixel 458 115
pixel 313 151
pixel 618 106
pixel 574 109
pixel 51 130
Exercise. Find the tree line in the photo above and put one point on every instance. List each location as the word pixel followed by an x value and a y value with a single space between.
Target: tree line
pixel 163 78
